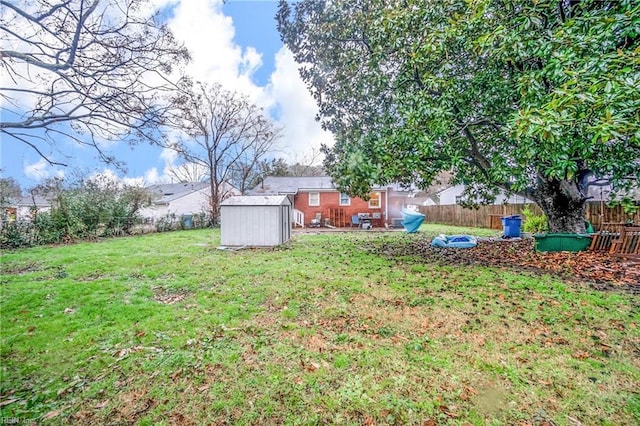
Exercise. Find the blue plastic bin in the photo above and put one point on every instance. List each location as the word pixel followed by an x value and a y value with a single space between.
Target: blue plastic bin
pixel 511 226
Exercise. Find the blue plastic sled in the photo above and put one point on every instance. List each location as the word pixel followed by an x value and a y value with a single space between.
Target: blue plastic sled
pixel 411 221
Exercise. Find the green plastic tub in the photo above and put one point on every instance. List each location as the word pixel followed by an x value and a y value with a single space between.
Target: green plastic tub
pixel 562 242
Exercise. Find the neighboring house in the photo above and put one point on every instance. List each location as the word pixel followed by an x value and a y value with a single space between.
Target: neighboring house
pixel 25 207
pixel 314 197
pixel 453 195
pixel 181 199
pixel 602 191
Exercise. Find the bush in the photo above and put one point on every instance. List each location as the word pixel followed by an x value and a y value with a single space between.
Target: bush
pixel 534 223
pixel 15 234
pixel 46 231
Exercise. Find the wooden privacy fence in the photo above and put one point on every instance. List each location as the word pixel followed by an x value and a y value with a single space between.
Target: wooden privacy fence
pixel 490 216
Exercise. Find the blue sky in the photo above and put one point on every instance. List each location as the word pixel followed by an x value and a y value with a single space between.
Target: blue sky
pixel 234 43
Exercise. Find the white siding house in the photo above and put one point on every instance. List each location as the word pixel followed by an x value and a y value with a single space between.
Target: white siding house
pixel 24 208
pixel 180 199
pixel 257 221
pixel 453 194
pixel 28 204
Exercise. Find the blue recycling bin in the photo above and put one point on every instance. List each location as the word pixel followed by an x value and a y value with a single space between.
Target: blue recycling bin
pixel 187 221
pixel 511 226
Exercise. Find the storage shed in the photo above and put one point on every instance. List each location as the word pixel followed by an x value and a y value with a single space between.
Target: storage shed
pixel 255 220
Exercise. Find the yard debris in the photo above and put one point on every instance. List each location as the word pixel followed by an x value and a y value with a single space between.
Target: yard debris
pixel 101 405
pixel 597 268
pixel 168 296
pixel 51 414
pixel 8 401
pixel 122 353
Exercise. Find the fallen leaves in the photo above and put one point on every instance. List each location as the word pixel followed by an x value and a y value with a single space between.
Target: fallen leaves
pixel 580 355
pixel 51 414
pixel 595 267
pixel 123 352
pixel 101 405
pixel 168 296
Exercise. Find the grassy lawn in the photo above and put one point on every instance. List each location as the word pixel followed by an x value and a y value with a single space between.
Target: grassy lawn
pixel 166 329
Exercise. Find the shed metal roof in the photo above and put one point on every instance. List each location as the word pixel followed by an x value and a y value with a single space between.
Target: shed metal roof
pixel 257 200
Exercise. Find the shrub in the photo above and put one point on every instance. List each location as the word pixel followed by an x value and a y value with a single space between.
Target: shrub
pixel 534 223
pixel 15 234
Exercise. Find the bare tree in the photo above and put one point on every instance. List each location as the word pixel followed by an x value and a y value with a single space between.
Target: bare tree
pixel 308 164
pixel 9 191
pixel 302 166
pixel 247 170
pixel 187 173
pixel 88 70
pixel 221 131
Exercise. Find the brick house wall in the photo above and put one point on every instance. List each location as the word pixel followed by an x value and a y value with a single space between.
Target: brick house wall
pixel 329 206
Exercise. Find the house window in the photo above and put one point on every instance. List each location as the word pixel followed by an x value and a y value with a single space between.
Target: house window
pixel 458 199
pixel 314 199
pixel 374 200
pixel 345 200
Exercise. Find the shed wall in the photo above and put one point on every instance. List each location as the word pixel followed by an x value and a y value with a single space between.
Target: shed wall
pixel 255 225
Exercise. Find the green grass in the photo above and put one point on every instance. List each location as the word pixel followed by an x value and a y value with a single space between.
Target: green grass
pixel 166 329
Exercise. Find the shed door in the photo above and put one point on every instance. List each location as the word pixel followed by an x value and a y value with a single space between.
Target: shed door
pixel 285 224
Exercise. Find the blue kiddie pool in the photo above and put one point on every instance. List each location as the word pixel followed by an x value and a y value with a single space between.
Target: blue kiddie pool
pixel 454 241
pixel 411 220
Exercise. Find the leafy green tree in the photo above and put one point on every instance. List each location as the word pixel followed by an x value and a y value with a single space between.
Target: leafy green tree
pixel 532 97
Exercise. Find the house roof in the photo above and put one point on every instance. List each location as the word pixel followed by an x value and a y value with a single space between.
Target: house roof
pixel 30 201
pixel 257 200
pixel 292 184
pixel 37 200
pixel 168 192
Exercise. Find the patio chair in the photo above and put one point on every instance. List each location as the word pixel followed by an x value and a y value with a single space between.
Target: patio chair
pixel 355 221
pixel 315 223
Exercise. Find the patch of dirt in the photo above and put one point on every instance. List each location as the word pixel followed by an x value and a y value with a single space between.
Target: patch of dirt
pixel 168 296
pixel 10 269
pixel 602 270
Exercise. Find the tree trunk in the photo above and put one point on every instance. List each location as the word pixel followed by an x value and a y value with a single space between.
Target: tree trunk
pixel 563 204
pixel 215 204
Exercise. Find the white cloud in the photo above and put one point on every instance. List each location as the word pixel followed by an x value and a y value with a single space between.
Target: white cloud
pixel 297 108
pixel 209 35
pixel 151 176
pixel 169 156
pixel 136 182
pixel 41 170
pixel 106 178
pixel 37 171
pixel 170 159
